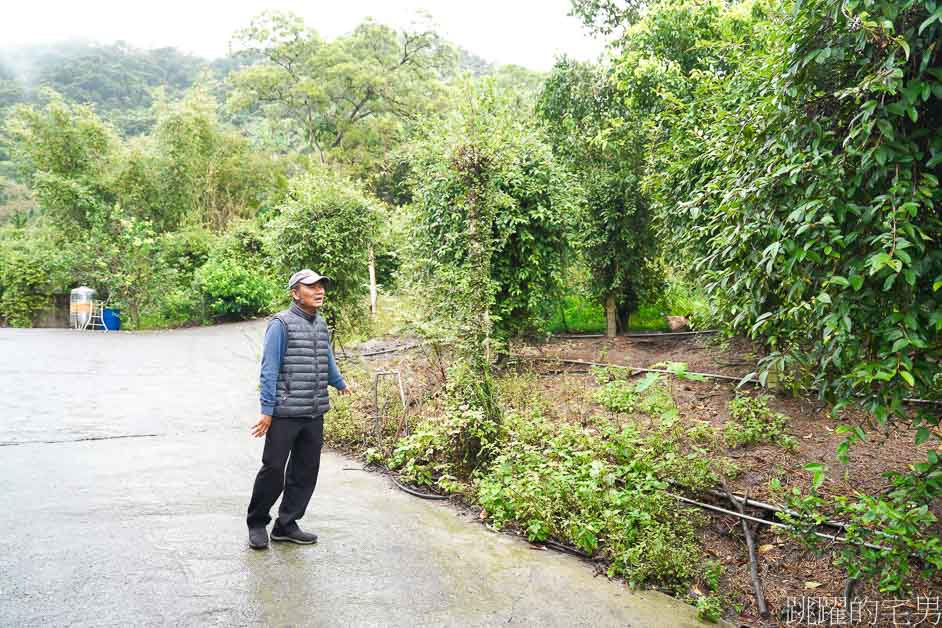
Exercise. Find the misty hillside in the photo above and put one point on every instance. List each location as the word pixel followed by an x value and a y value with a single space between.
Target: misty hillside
pixel 120 80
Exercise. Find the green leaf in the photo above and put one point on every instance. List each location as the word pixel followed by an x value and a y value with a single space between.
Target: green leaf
pixel 908 377
pixel 888 282
pixel 922 435
pixel 929 20
pixel 886 128
pixel 900 344
pixel 646 382
pixel 882 154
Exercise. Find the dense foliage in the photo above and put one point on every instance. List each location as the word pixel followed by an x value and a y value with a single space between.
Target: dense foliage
pixel 328 223
pixel 796 175
pixel 812 210
pixel 118 81
pixel 600 135
pixel 597 487
pixel 345 99
pixel 492 211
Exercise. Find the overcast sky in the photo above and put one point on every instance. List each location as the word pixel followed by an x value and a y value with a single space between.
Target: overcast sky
pixel 524 32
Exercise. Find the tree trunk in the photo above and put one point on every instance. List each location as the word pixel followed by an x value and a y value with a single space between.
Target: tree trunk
pixel 610 315
pixel 623 318
pixel 372 263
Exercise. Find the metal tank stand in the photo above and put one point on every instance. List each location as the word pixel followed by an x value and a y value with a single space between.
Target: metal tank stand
pixel 96 319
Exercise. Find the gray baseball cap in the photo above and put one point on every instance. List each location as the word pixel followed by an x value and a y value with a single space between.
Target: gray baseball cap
pixel 308 277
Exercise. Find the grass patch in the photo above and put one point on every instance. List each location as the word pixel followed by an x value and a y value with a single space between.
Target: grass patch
pixel 579 315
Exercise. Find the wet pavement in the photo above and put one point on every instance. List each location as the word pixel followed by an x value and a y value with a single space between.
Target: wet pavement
pixel 125 470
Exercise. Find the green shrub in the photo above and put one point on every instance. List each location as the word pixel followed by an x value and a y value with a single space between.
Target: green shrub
pixel 32 267
pixel 650 395
pixel 327 223
pixel 174 306
pixel 798 182
pixel 186 250
pixel 701 432
pixel 600 494
pixel 900 521
pixel 712 572
pixel 752 421
pixel 492 212
pixel 617 396
pixel 232 290
pixel 710 608
pixel 464 440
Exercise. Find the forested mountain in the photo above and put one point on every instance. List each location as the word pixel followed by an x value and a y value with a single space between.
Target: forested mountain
pixel 119 80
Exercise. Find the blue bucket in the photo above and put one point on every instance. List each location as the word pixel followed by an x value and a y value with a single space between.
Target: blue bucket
pixel 111 318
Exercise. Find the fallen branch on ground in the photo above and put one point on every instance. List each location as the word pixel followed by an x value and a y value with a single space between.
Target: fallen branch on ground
pixel 753 559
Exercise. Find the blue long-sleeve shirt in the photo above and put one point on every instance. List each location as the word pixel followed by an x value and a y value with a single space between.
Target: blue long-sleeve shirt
pixel 276 342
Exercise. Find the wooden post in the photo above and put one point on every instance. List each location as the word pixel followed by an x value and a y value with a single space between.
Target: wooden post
pixel 372 262
pixel 610 315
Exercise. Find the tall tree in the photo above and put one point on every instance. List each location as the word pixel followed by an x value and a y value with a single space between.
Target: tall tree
pixel 492 214
pixel 344 95
pixel 64 153
pixel 601 137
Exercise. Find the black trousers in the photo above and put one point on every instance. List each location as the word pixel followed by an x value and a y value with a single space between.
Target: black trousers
pixel 302 439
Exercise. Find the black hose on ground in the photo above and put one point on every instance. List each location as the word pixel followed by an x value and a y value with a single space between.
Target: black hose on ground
pixel 548 543
pixel 559 547
pixel 412 491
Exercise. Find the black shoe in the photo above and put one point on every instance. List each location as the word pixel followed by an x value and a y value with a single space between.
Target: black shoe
pixel 258 538
pixel 296 535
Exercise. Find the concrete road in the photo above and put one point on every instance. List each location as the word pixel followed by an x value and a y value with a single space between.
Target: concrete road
pixel 125 471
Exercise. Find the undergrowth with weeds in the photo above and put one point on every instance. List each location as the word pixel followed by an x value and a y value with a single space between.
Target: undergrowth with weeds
pixel 620 395
pixel 899 521
pixel 597 485
pixel 601 493
pixel 752 421
pixel 442 452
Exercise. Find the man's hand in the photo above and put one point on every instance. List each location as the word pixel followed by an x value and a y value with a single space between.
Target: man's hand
pixel 345 391
pixel 261 428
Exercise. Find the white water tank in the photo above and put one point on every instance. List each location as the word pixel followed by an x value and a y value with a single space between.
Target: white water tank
pixel 80 306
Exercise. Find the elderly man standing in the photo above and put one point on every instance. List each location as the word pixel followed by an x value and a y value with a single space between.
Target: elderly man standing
pixel 297 367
